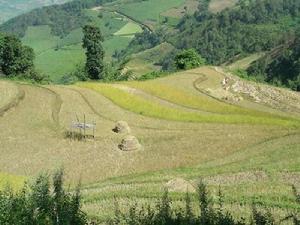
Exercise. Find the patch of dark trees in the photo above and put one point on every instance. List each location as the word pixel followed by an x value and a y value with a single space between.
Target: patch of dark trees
pixel 281 66
pixel 16 60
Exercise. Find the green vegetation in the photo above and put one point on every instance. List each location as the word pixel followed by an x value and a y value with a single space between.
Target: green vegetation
pixel 247 28
pixel 16 60
pixel 11 180
pixel 280 67
pixel 12 8
pixel 46 202
pixel 61 18
pixel 42 202
pixel 188 59
pixel 129 29
pixel 244 29
pixel 140 10
pixel 92 42
pixel 165 214
pixel 58 57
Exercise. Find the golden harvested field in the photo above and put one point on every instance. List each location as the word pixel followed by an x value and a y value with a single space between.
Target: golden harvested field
pixel 186 131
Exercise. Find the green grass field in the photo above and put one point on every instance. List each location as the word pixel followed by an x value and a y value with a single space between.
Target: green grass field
pixel 57 57
pixel 146 61
pixel 140 10
pixel 129 29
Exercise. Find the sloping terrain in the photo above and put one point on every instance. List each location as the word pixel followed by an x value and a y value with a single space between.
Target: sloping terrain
pixel 186 133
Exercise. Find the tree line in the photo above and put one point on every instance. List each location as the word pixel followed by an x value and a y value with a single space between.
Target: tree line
pixel 46 202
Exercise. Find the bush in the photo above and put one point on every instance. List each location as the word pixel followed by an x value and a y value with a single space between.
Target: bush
pixel 188 59
pixel 152 75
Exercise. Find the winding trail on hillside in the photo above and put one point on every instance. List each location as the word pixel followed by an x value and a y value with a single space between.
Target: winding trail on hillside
pixel 14 102
pixel 56 107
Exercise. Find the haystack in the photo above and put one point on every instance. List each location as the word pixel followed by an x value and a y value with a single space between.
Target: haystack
pixel 130 143
pixel 122 127
pixel 179 185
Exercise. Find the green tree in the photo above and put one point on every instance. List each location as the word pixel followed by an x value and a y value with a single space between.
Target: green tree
pixel 14 57
pixel 92 42
pixel 188 59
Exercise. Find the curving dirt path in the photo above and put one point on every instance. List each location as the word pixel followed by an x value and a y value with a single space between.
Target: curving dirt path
pixel 12 101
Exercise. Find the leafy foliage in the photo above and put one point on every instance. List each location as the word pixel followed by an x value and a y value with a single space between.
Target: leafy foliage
pixel 92 42
pixel 16 60
pixel 188 59
pixel 283 69
pixel 251 27
pixel 42 203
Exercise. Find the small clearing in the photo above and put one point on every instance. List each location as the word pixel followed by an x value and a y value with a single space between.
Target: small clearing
pixel 129 29
pixel 219 5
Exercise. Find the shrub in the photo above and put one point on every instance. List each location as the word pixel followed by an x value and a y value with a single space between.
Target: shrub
pixel 188 59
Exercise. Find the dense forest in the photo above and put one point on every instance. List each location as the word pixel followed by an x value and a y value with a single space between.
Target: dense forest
pixel 252 26
pixel 61 18
pixel 281 66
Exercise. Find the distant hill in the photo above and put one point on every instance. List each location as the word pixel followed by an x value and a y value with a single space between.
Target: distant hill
pixel 12 8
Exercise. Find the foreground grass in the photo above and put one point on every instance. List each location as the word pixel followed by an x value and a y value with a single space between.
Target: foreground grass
pixel 146 107
pixel 8 180
pixel 275 163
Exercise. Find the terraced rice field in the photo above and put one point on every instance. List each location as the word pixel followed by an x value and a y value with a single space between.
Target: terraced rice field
pixel 186 133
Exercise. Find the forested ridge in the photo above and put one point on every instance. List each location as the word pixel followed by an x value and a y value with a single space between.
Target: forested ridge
pixel 61 18
pixel 252 26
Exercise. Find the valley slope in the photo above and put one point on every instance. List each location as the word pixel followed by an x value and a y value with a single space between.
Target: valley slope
pixel 245 143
